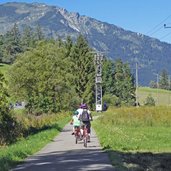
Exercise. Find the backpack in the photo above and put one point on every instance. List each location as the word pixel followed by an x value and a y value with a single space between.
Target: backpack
pixel 85 116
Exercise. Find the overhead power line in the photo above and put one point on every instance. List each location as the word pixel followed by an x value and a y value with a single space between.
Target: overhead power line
pixel 156 28
pixel 165 26
pixel 165 35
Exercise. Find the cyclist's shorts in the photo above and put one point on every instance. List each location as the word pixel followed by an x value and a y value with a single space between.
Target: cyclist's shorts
pixel 88 125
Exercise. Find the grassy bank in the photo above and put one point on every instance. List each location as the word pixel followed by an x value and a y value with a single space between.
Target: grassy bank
pixel 161 97
pixel 4 69
pixel 14 154
pixel 137 138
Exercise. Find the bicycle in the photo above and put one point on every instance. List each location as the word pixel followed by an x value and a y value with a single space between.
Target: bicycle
pixel 77 134
pixel 85 135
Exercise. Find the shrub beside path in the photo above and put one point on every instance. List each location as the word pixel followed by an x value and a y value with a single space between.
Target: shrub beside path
pixel 62 154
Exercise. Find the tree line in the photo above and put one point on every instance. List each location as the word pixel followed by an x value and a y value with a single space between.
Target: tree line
pixel 53 75
pixel 18 41
pixel 162 81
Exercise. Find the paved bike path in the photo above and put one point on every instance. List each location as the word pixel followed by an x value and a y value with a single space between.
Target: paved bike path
pixel 64 155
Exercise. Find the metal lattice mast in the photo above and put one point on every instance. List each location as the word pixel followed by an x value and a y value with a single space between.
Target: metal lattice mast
pixel 98 81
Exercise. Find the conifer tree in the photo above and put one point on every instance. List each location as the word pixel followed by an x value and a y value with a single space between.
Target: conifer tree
pixel 83 70
pixel 123 83
pixel 68 46
pixel 27 38
pixel 164 81
pixel 11 44
pixel 108 76
pixel 39 33
pixel 1 48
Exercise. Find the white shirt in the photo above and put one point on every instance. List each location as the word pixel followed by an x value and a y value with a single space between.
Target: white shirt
pixel 80 111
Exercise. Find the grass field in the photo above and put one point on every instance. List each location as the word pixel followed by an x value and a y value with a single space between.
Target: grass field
pixel 161 97
pixel 137 138
pixel 4 68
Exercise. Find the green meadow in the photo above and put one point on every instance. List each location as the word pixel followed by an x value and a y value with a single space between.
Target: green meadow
pixel 161 97
pixel 137 138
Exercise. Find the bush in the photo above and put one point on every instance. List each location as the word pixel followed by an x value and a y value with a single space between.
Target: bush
pixel 31 124
pixel 8 123
pixel 9 128
pixel 149 101
pixel 111 100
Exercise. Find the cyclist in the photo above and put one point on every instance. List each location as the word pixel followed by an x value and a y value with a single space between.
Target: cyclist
pixel 75 121
pixel 85 117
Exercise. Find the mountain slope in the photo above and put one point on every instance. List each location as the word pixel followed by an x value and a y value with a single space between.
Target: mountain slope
pixel 151 54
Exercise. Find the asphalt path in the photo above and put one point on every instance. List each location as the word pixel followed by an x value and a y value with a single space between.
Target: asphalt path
pixel 62 154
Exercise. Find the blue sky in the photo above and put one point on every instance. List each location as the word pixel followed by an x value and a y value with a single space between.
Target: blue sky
pixel 143 16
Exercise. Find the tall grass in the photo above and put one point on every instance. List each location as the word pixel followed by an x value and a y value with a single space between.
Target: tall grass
pixel 136 129
pixel 142 116
pixel 14 154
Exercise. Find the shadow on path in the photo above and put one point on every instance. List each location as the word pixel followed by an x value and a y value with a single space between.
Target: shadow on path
pixel 77 160
pixel 140 161
pixel 62 154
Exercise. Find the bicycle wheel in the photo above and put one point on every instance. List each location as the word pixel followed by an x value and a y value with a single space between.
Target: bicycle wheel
pixel 85 141
pixel 88 138
pixel 76 139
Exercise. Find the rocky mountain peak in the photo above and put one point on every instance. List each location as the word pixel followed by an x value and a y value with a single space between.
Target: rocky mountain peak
pixel 152 55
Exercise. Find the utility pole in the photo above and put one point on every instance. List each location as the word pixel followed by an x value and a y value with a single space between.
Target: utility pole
pixel 136 91
pixel 165 26
pixel 169 87
pixel 157 88
pixel 98 81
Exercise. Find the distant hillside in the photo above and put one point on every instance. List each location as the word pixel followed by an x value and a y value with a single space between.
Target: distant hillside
pixel 161 97
pixel 151 54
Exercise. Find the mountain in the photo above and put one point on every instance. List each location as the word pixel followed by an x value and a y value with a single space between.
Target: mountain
pixel 152 55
